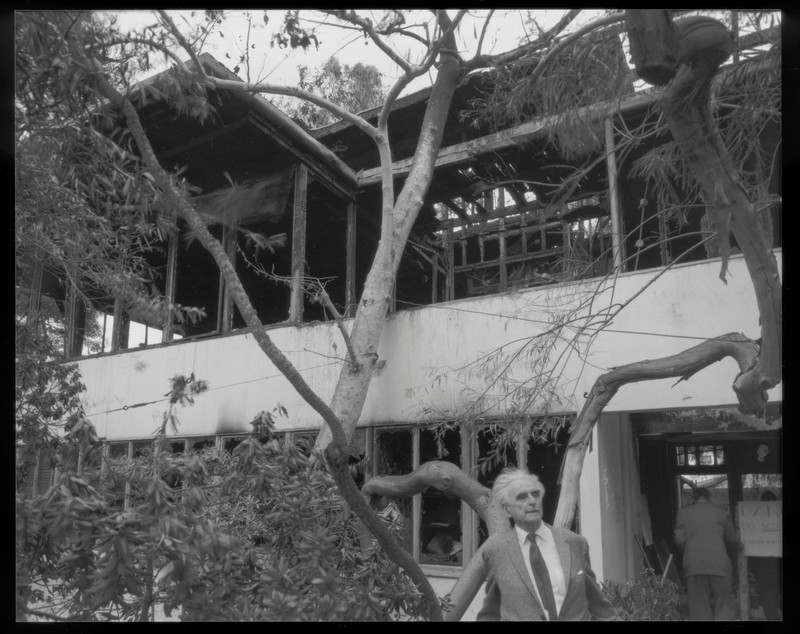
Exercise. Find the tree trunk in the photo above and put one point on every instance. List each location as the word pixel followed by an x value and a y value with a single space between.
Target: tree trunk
pixel 703 45
pixel 352 387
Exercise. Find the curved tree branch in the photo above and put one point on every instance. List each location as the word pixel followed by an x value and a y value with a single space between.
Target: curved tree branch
pixel 684 365
pixel 451 480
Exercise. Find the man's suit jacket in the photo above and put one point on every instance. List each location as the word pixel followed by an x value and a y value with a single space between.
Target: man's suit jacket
pixel 510 595
pixel 704 532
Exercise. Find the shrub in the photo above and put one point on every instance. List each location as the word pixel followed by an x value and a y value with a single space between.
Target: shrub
pixel 255 534
pixel 645 598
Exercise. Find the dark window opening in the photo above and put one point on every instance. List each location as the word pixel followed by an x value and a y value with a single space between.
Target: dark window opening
pixel 492 459
pixel 326 250
pixel 440 522
pixel 394 455
pixel 544 460
pixel 260 253
pixel 197 284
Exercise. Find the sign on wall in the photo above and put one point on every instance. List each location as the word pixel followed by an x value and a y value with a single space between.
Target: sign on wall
pixel 760 527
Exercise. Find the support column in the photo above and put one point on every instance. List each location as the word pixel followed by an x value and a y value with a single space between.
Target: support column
pixel 75 318
pixel 416 501
pixel 226 301
pixel 613 199
pixel 298 242
pixel 119 331
pixel 350 280
pixel 169 290
pixel 35 297
pixel 450 292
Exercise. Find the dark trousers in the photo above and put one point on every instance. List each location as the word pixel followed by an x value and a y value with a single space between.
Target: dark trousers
pixel 710 598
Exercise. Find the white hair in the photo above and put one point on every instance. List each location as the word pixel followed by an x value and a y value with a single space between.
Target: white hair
pixel 509 475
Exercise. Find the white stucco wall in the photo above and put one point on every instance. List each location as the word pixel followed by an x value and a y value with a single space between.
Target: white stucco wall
pixel 421 349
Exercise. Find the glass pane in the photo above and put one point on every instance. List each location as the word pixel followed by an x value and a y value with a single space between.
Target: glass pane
pixel 493 456
pixel 394 455
pixel 201 444
pixel 230 443
pixel 720 455
pixel 440 524
pixel 118 450
pixel 691 456
pixel 760 527
pixel 142 448
pixel 717 486
pixel 47 469
pixel 305 442
pixel 177 446
pixel 707 456
pixel 758 486
pixel 358 454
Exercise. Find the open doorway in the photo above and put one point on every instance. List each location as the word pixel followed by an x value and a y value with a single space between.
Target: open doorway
pixel 734 467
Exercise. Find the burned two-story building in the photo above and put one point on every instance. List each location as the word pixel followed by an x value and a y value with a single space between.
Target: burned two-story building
pixel 500 253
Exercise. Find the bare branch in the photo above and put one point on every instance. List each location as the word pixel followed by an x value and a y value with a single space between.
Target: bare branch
pixel 428 61
pixel 366 25
pixel 326 300
pixel 277 89
pixel 184 44
pixel 483 33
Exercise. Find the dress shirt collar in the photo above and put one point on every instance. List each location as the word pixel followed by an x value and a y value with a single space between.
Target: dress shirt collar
pixel 543 532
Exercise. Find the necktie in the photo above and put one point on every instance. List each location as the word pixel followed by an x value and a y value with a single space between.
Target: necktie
pixel 542 579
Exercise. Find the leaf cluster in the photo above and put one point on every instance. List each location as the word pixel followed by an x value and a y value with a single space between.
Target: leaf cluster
pixel 647 597
pixel 252 534
pixel 355 88
pixel 589 71
pixel 47 394
pixel 84 202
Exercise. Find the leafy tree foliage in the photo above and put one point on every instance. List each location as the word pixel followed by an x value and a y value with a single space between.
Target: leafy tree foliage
pixel 355 88
pixel 47 395
pixel 251 534
pixel 83 199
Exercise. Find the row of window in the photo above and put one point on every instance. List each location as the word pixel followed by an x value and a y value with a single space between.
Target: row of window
pixel 440 530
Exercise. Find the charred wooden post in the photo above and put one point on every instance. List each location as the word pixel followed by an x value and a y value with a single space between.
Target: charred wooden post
pixel 350 282
pixel 298 243
pixel 169 290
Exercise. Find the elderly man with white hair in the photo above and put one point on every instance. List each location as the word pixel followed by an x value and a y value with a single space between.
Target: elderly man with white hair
pixel 537 572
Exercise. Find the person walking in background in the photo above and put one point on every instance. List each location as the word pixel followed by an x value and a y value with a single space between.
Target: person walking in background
pixel 537 572
pixel 704 533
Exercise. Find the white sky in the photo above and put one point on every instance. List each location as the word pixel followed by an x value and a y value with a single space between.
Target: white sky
pixel 350 47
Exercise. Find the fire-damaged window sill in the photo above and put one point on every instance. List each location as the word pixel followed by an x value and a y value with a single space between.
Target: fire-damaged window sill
pixel 442 571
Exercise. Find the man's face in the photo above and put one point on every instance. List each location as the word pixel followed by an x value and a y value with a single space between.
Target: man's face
pixel 524 503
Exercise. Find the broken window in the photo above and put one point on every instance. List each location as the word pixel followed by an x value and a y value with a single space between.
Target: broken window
pixel 493 457
pixel 394 455
pixel 440 522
